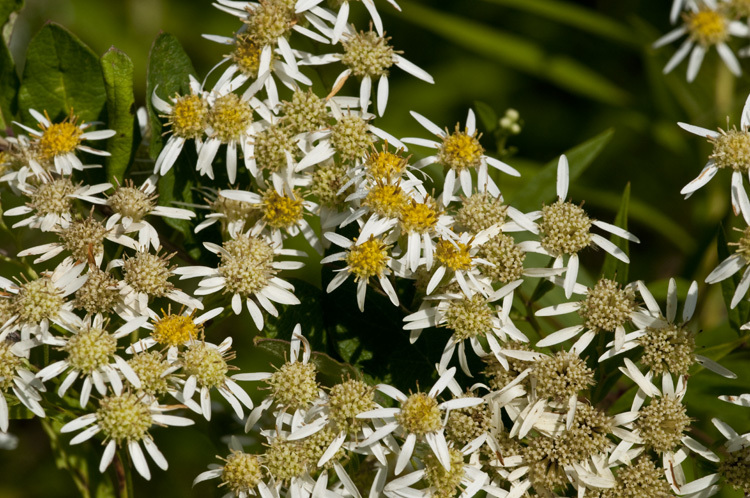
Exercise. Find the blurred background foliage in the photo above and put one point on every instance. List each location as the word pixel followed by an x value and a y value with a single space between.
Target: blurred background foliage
pixel 572 69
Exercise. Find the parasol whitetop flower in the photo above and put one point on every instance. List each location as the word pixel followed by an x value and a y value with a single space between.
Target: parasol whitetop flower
pixel 565 230
pixel 734 264
pixel 247 269
pixel 668 345
pixel 706 26
pixel 130 206
pixel 470 318
pixel 728 153
pixel 58 142
pixel 186 118
pixel 92 353
pixel 367 256
pixel 16 377
pixel 205 366
pixel 419 417
pixel 342 17
pixel 369 57
pixel 607 307
pixel 461 153
pixel 125 420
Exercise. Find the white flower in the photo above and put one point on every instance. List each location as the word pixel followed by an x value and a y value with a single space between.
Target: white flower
pixel 342 17
pixel 732 265
pixel 419 417
pixel 92 354
pixel 565 230
pixel 125 420
pixel 366 257
pixel 706 25
pixel 461 153
pixel 58 142
pixel 728 153
pixel 16 377
pixel 247 270
pixel 205 366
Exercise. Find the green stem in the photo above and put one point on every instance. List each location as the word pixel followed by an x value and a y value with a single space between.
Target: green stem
pixel 124 474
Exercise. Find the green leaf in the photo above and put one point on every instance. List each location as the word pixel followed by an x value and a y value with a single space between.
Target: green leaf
pixel 118 80
pixel 330 371
pixel 581 18
pixel 737 316
pixel 541 187
pixel 169 68
pixel 487 116
pixel 61 75
pixel 613 268
pixel 517 53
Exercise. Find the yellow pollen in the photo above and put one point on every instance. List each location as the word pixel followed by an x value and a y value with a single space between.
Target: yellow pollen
pixel 175 330
pixel 368 259
pixel 188 118
pixel 454 255
pixel 247 55
pixel 418 217
pixel 281 211
pixel 707 27
pixel 461 151
pixel 385 164
pixel 386 200
pixel 59 139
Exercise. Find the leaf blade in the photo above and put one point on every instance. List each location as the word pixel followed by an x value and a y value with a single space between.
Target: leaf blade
pixel 117 69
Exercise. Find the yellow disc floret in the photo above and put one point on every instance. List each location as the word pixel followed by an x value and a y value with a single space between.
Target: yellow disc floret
pixel 454 255
pixel 420 414
pixel 385 200
pixel 418 217
pixel 460 150
pixel 731 150
pixel 281 211
pixel 707 26
pixel 247 55
pixel 59 138
pixel 188 117
pixel 368 259
pixel 385 165
pixel 175 330
pixel 230 117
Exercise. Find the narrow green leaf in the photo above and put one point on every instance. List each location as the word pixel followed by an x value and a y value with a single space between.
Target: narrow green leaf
pixel 168 70
pixel 118 79
pixel 737 316
pixel 541 187
pixel 487 116
pixel 517 53
pixel 613 268
pixel 61 74
pixel 578 17
pixel 9 84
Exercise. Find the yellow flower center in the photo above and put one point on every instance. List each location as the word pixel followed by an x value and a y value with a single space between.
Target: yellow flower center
pixel 418 217
pixel 454 255
pixel 732 150
pixel 188 118
pixel 386 200
pixel 368 259
pixel 419 414
pixel 175 330
pixel 385 164
pixel 281 211
pixel 247 55
pixel 230 117
pixel 461 151
pixel 707 27
pixel 59 139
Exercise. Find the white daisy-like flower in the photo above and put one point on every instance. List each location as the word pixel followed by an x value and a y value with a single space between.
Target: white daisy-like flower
pixel 282 212
pixel 241 473
pixel 205 366
pixel 145 276
pixel 342 17
pixel 247 270
pixel 125 420
pixel 21 163
pixel 734 264
pixel 460 152
pixel 36 303
pixel 16 377
pixel 233 216
pixel 565 230
pixel 728 153
pixel 736 464
pixel 607 307
pixel 130 206
pixel 186 118
pixel 668 345
pixel 58 142
pixel 470 318
pixel 420 222
pixel 706 25
pixel 420 417
pixel 369 57
pixel 50 203
pixel 92 354
pixel 366 257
